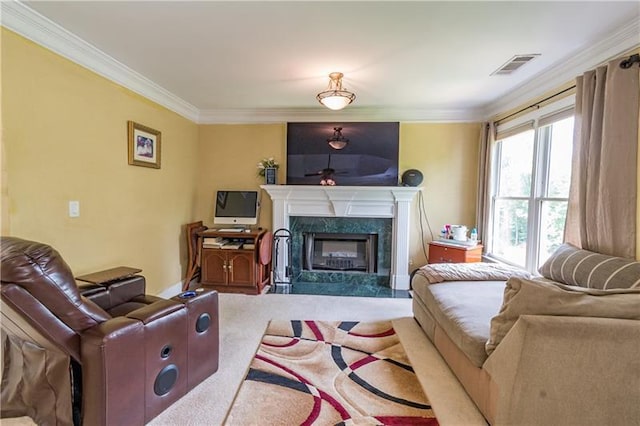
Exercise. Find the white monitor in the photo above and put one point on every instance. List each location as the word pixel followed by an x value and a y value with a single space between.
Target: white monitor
pixel 236 208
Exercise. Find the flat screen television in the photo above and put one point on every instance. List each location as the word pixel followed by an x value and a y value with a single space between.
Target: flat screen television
pixel 236 208
pixel 367 154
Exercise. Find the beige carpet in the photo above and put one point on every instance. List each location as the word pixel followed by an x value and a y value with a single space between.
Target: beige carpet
pixel 243 320
pixel 331 372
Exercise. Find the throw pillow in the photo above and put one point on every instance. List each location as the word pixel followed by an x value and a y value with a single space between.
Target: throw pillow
pixel 573 266
pixel 529 297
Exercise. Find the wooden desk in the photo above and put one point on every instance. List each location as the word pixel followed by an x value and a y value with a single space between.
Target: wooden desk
pixel 236 270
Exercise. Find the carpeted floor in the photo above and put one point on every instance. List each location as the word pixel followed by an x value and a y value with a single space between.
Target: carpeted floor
pixel 331 372
pixel 243 321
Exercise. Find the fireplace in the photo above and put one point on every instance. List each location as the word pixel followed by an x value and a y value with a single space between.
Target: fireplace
pixel 368 204
pixel 351 250
pixel 340 252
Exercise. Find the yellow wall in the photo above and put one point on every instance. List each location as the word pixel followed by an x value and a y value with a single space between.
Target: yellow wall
pixel 65 138
pixel 447 156
pixel 228 159
pixel 445 153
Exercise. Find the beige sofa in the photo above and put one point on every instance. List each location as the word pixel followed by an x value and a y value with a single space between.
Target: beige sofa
pixel 563 349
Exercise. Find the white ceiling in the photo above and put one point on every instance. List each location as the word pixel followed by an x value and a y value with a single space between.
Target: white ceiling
pixel 420 60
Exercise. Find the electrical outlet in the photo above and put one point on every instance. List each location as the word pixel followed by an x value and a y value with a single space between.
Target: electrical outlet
pixel 410 262
pixel 74 208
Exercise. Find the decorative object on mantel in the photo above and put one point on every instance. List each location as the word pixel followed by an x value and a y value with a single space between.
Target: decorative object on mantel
pixel 412 177
pixel 337 141
pixel 144 145
pixel 335 97
pixel 268 168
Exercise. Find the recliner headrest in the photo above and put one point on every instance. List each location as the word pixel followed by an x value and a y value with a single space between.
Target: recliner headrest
pixel 40 270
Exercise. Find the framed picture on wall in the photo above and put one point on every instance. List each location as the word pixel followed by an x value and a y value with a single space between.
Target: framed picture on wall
pixel 144 146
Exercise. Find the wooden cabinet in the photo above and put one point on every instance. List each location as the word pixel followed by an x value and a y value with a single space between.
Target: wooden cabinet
pixel 446 253
pixel 214 267
pixel 242 270
pixel 228 267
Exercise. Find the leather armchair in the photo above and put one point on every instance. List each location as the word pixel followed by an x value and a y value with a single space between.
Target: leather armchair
pixel 99 354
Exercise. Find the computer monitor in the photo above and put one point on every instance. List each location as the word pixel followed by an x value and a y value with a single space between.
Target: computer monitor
pixel 236 208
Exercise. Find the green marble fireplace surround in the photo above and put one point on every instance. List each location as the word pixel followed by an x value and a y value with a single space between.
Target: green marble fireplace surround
pixel 298 225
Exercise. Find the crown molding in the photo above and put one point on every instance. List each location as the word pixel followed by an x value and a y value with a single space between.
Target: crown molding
pixel 23 20
pixel 624 39
pixel 351 113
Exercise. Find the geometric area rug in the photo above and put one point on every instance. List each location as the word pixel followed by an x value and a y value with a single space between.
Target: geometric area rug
pixel 330 373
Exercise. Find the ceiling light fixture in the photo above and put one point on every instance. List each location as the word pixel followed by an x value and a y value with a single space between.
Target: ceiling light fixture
pixel 335 97
pixel 337 141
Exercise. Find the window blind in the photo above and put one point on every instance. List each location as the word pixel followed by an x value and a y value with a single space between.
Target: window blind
pixel 503 134
pixel 545 120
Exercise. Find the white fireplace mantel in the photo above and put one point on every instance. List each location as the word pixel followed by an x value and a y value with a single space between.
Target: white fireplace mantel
pixel 350 201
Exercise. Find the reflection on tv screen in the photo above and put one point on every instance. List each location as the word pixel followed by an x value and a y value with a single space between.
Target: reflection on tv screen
pixel 369 156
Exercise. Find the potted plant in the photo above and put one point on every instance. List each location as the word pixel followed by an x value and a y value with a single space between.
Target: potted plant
pixel 268 168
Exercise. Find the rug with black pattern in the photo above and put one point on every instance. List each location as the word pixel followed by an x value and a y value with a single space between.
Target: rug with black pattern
pixel 330 373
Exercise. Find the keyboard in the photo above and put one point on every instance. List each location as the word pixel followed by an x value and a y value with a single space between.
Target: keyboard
pixel 231 230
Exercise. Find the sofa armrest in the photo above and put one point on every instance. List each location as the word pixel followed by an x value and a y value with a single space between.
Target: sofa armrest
pixel 567 370
pixel 113 393
pixel 155 310
pixel 114 293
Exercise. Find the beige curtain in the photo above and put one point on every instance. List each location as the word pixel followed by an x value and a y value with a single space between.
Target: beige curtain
pixel 601 215
pixel 483 201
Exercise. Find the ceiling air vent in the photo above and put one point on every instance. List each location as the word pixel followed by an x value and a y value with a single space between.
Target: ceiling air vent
pixel 514 63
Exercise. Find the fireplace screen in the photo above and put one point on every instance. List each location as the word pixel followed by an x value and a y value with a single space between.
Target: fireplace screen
pixel 340 252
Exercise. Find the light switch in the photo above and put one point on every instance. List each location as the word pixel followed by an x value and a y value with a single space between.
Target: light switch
pixel 74 208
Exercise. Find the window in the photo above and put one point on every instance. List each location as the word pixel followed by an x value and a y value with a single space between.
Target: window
pixel 530 188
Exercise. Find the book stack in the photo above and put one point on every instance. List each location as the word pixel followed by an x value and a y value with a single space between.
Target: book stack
pixel 232 245
pixel 216 242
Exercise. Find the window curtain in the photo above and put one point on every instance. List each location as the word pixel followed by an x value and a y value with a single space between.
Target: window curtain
pixel 483 201
pixel 602 210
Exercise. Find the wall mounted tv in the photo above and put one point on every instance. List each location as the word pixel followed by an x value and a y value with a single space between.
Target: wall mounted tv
pixel 236 208
pixel 369 157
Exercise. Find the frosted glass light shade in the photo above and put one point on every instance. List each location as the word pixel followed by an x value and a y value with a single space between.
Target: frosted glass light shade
pixel 335 102
pixel 335 97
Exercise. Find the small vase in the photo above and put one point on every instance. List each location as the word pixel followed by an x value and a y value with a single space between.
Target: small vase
pixel 270 176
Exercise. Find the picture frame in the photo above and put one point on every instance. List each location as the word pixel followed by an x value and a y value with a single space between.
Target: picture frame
pixel 144 145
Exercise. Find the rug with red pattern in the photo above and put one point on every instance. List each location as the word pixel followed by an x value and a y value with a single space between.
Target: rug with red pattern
pixel 330 373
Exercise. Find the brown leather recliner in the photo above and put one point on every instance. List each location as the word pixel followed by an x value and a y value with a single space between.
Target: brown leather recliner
pixel 110 355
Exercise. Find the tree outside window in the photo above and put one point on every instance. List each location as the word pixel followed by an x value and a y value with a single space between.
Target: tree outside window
pixel 530 192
